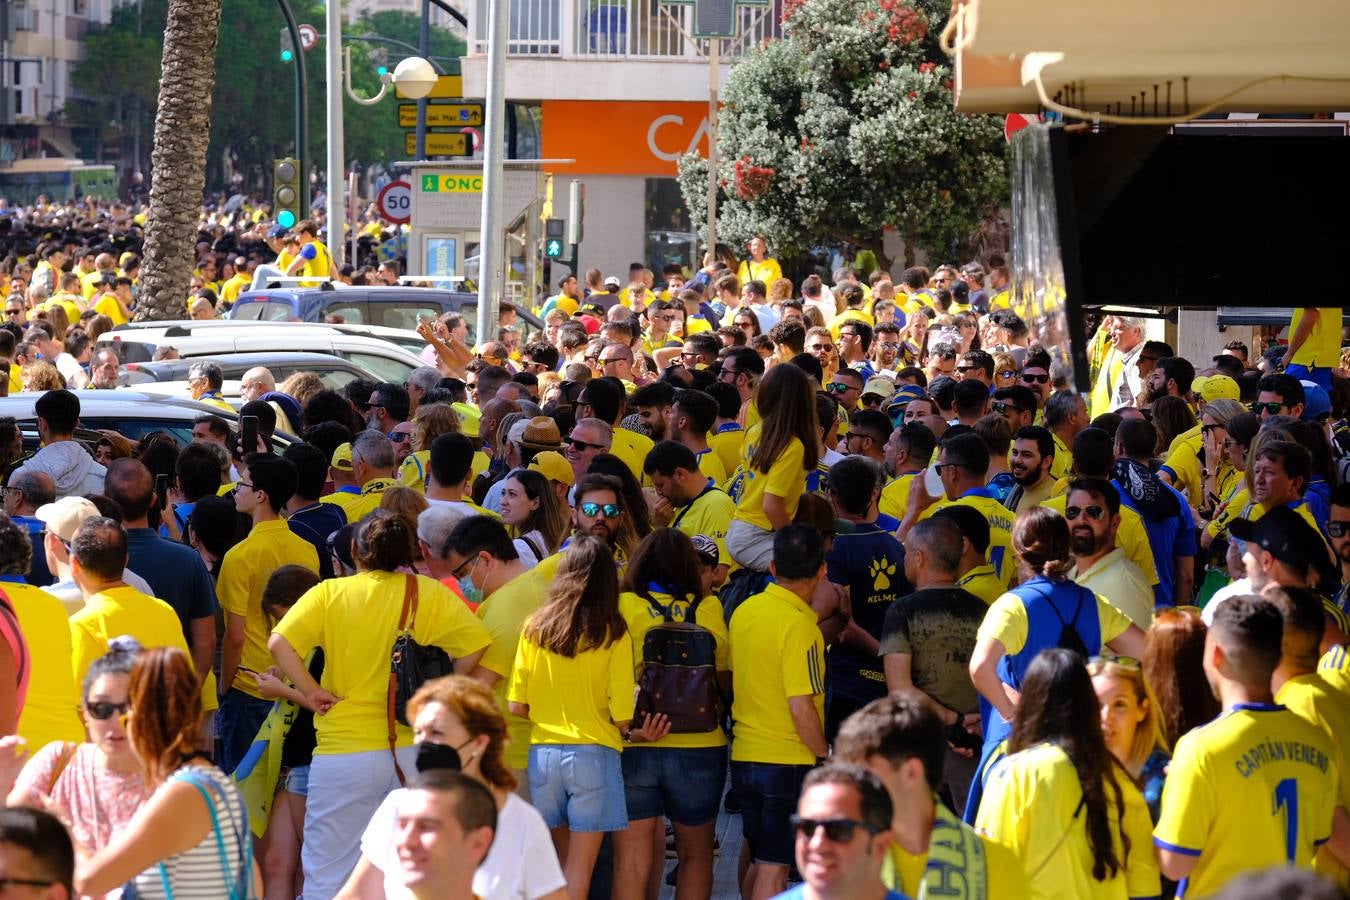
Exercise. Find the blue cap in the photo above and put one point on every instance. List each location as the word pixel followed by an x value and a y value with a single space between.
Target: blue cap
pixel 1316 402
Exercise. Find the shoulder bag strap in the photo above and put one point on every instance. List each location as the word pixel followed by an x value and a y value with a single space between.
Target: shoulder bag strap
pixel 706 488
pixel 193 779
pixel 663 611
pixel 404 623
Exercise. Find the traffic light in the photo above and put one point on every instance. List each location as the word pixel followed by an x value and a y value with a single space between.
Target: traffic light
pixel 286 191
pixel 287 48
pixel 553 238
pixel 380 57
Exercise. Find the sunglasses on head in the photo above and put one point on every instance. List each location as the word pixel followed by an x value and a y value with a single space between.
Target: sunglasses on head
pixel 1035 379
pixel 1126 662
pixel 610 510
pixel 837 831
pixel 1094 513
pixel 1273 407
pixel 102 710
pixel 582 446
pixel 1338 527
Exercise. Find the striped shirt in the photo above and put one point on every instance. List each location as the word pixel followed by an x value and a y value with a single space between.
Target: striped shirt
pixel 197 874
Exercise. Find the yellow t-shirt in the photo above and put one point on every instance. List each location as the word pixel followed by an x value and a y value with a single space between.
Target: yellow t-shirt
pixel 576 700
pixel 710 464
pixel 355 621
pixel 1031 806
pixel 413 472
pixel 767 271
pixel 1313 698
pixel 777 652
pixel 1241 506
pixel 1000 519
pixel 1253 789
pixel 343 497
pixel 984 583
pixel 640 617
pixel 124 610
pixel 503 613
pixel 895 495
pixel 849 315
pixel 108 306
pixel 726 443
pixel 1130 536
pixel 1183 464
pixel 1322 349
pixel 1006 622
pixel 1062 463
pixel 1334 667
pixel 372 492
pixel 51 712
pixel 230 290
pixel 785 478
pixel 709 515
pixel 632 448
pixel 243 575
pixel 1005 877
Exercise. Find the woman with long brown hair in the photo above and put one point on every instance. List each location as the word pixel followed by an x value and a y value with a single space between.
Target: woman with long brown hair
pixel 681 776
pixel 429 422
pixel 1061 801
pixel 191 838
pixel 533 513
pixel 775 457
pixel 573 680
pixel 1045 610
pixel 1174 668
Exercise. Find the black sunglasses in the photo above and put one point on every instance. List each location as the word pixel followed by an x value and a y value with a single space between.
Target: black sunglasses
pixel 837 831
pixel 1273 407
pixel 102 710
pixel 582 446
pixel 1094 513
pixel 1002 406
pixel 1035 379
pixel 1338 527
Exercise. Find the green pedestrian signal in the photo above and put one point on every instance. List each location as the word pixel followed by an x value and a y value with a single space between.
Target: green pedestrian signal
pixel 287 48
pixel 553 248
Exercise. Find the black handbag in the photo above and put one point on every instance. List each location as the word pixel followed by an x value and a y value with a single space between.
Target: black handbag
pixel 410 665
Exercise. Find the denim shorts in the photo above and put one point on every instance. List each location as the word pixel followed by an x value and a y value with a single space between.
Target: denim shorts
pixel 684 783
pixel 768 795
pixel 579 786
pixel 295 780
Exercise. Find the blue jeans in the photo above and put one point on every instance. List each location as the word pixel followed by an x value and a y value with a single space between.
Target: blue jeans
pixel 578 785
pixel 768 795
pixel 1319 376
pixel 684 783
pixel 237 723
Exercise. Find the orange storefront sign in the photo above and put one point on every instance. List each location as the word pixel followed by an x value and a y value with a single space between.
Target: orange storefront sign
pixel 621 137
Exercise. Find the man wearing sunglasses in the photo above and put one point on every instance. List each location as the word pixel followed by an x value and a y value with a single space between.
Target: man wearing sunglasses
pixel 842 830
pixel 1279 395
pixel 1338 530
pixel 1093 512
pixel 37 854
pixel 902 741
pixel 1017 404
pixel 588 439
pixel 1036 375
pixel 846 387
pixel 388 405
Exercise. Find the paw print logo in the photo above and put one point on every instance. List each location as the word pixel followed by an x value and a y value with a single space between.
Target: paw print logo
pixel 881 571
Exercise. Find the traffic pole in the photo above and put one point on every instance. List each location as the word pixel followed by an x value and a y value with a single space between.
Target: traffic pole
pixel 491 245
pixel 424 51
pixel 301 103
pixel 335 209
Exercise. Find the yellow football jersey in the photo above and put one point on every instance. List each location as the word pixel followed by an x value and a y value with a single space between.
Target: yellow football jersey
pixel 1255 788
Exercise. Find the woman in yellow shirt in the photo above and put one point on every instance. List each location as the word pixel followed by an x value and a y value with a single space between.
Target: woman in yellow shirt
pixel 681 776
pixel 1089 836
pixel 355 621
pixel 573 679
pixel 777 453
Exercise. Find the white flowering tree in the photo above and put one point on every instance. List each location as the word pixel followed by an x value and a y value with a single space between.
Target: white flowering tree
pixel 846 126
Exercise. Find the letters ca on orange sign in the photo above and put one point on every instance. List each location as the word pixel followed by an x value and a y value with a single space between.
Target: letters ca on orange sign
pixel 622 138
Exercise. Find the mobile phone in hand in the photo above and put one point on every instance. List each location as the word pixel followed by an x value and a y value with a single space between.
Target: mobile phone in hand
pixel 248 434
pixel 162 491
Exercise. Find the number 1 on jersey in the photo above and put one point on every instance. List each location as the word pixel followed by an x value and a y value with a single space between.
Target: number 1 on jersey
pixel 1286 795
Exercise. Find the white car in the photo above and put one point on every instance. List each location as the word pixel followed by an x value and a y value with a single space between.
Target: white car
pixel 381 357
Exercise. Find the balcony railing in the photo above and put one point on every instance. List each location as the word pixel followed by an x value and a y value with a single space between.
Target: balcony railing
pixel 609 29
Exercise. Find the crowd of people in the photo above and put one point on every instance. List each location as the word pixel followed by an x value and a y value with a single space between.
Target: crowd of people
pixel 852 562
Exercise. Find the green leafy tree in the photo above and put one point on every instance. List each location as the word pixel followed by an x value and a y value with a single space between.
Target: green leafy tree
pixel 846 126
pixel 253 120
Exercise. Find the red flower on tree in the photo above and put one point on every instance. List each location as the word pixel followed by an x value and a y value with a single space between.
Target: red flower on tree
pixel 752 181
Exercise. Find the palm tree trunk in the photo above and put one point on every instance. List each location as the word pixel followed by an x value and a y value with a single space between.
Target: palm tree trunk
pixel 178 159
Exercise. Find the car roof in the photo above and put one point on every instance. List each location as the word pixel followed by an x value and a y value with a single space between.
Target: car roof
pixel 250 358
pixel 207 342
pixel 120 402
pixel 374 290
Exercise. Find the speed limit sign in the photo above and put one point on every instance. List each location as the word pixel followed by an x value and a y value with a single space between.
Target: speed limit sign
pixel 395 202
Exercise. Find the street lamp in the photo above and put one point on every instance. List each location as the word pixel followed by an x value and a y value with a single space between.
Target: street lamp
pixel 414 77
